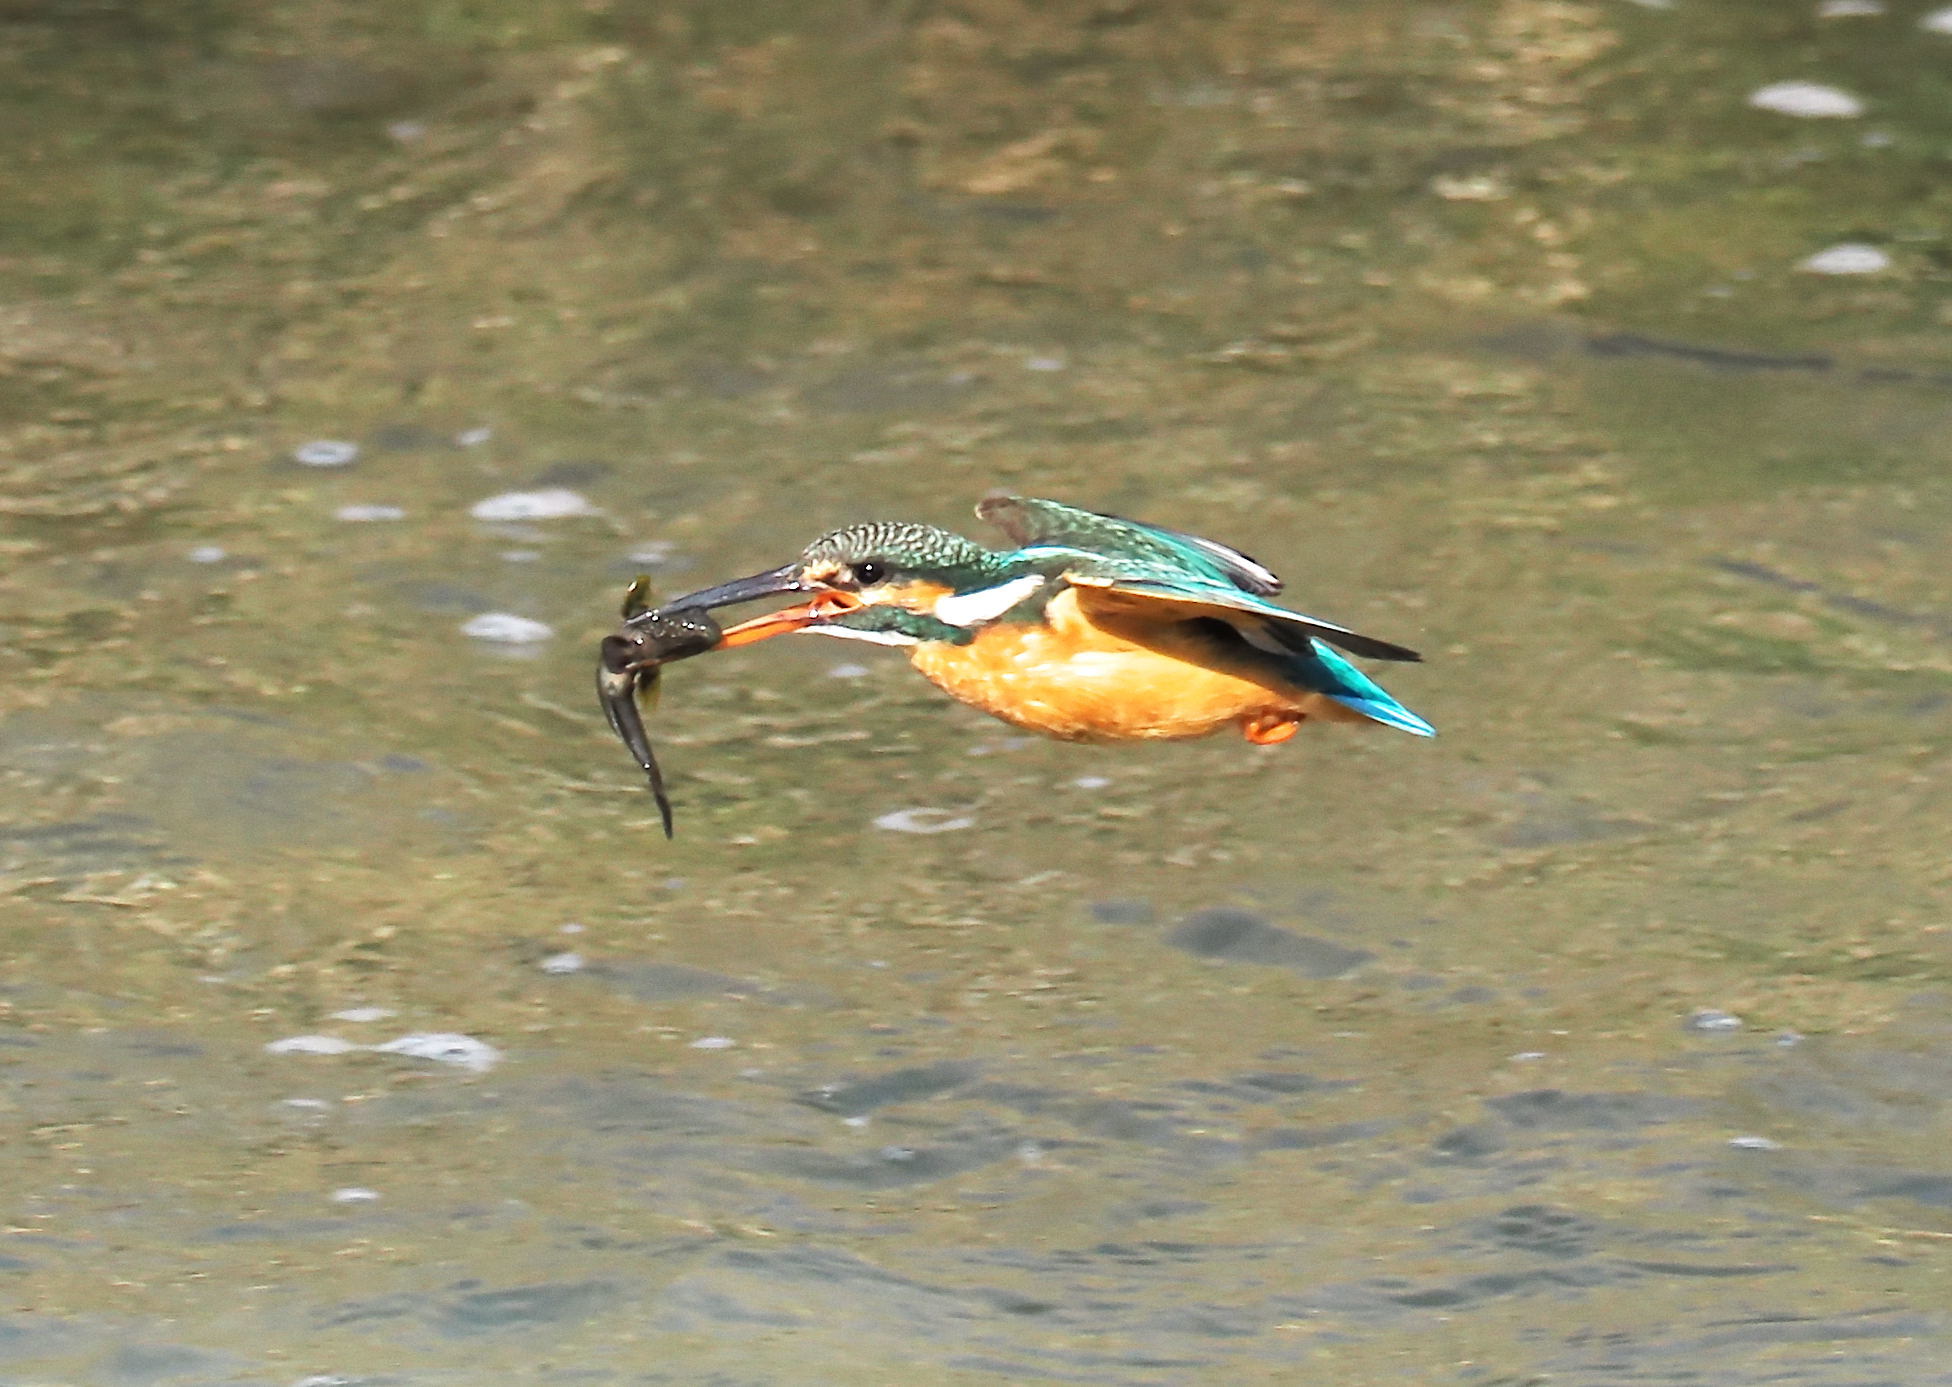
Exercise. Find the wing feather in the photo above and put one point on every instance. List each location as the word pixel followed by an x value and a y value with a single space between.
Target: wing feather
pixel 1030 521
pixel 1295 630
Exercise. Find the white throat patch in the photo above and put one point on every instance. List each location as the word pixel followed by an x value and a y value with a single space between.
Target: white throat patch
pixel 850 634
pixel 967 609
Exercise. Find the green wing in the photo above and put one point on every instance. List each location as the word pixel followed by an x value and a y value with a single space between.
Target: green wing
pixel 1031 522
pixel 1295 631
pixel 1137 564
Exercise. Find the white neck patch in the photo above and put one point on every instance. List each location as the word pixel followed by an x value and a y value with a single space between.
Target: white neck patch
pixel 967 609
pixel 849 633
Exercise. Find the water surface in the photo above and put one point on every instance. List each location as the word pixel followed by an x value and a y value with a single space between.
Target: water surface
pixel 1603 1039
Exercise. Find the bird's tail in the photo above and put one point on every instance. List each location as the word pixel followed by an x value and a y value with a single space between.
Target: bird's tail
pixel 1328 674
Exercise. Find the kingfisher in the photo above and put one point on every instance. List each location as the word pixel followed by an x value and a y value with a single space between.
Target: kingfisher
pixel 1092 628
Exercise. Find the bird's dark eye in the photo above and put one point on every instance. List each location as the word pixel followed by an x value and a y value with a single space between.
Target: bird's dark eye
pixel 869 572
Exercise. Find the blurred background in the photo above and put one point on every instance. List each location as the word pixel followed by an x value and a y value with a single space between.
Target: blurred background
pixel 357 1025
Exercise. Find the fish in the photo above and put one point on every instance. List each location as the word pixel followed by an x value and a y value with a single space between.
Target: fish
pixel 630 664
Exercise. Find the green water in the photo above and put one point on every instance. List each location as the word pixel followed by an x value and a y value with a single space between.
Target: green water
pixel 1360 1059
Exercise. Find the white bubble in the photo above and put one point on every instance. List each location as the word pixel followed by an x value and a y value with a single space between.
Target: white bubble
pixel 713 1042
pixel 354 1194
pixel 557 965
pixel 364 1014
pixel 1849 258
pixel 445 1047
pixel 923 821
pixel 1713 1021
pixel 505 628
pixel 367 514
pixel 653 553
pixel 311 1045
pixel 1092 782
pixel 209 553
pixel 1848 9
pixel 550 503
pixel 1809 99
pixel 848 672
pixel 473 438
pixel 1754 1144
pixel 326 452
pixel 1937 22
pixel 1045 363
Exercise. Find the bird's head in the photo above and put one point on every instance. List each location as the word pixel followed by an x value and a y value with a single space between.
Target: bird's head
pixel 887 581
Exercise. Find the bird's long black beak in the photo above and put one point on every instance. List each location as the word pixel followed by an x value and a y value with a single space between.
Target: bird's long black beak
pixel 824 603
pixel 771 583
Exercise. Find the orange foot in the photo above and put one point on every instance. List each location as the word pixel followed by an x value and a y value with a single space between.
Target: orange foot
pixel 1265 729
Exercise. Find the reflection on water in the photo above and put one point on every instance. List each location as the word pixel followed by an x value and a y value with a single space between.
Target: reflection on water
pixel 358 1026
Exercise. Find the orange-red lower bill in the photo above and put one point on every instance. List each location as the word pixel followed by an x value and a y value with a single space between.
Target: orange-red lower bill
pixel 787 620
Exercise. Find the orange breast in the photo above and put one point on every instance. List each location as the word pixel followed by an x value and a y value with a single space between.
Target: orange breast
pixel 1105 676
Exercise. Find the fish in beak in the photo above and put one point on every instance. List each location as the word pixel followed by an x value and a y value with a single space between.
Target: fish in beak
pixel 631 661
pixel 628 668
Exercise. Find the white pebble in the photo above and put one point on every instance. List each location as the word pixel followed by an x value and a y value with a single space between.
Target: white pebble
pixel 364 1014
pixel 848 672
pixel 1527 1056
pixel 571 928
pixel 713 1042
pixel 550 503
pixel 473 438
pixel 445 1047
pixel 311 1045
pixel 1850 258
pixel 1045 363
pixel 1937 22
pixel 407 131
pixel 651 555
pixel 1092 782
pixel 858 1120
pixel 505 628
pixel 326 452
pixel 1754 1144
pixel 354 1194
pixel 1848 9
pixel 1809 99
pixel 309 1104
pixel 922 821
pixel 364 514
pixel 557 965
pixel 209 553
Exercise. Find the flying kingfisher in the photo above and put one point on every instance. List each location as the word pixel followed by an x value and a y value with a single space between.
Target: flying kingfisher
pixel 1093 628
